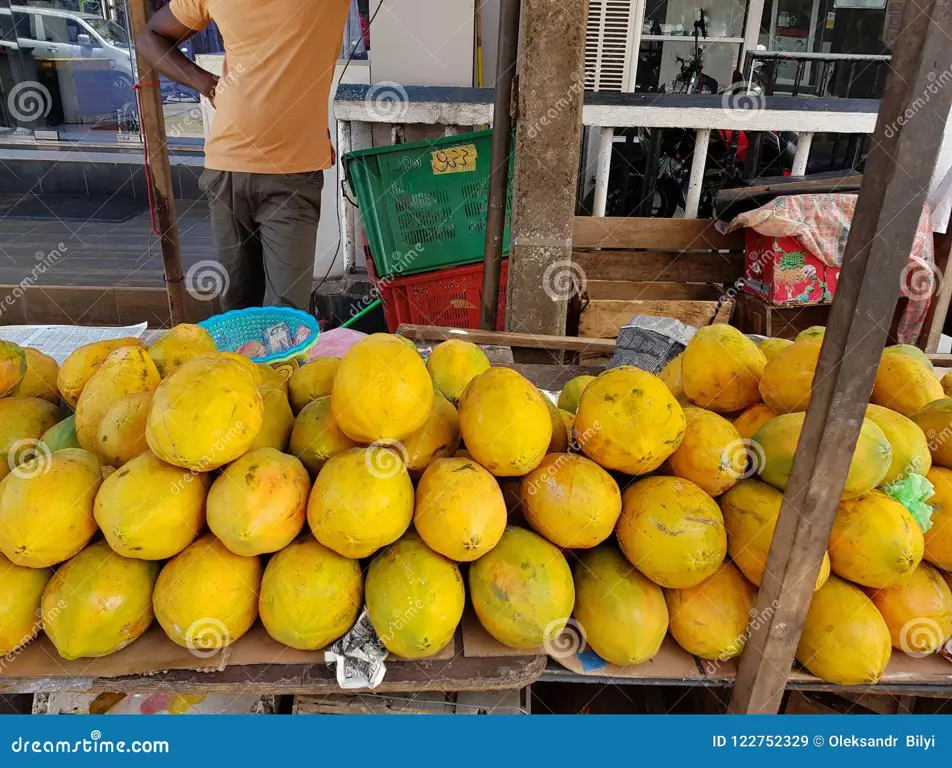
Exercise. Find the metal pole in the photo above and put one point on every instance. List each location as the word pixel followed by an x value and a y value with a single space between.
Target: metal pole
pixel 160 176
pixel 499 161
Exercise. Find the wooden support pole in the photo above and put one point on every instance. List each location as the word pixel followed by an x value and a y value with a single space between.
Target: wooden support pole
pixel 550 88
pixel 160 174
pixel 908 133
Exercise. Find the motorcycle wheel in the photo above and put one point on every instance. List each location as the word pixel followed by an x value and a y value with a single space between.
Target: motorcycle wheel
pixel 670 198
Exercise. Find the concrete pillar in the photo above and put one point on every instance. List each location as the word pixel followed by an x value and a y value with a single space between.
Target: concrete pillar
pixel 542 276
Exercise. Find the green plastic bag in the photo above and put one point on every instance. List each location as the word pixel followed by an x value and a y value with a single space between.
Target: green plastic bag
pixel 912 492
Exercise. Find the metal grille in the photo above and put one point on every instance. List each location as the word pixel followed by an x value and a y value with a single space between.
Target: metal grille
pixel 608 44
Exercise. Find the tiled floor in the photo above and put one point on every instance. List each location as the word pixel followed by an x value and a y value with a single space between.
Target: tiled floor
pixel 98 253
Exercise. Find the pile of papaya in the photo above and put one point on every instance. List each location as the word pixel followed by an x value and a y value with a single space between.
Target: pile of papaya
pixel 202 491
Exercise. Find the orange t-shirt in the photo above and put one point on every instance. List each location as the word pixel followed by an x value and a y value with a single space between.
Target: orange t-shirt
pixel 271 102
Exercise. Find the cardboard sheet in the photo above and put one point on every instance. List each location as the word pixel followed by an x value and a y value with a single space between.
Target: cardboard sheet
pixel 901 669
pixel 478 643
pixel 671 662
pixel 154 652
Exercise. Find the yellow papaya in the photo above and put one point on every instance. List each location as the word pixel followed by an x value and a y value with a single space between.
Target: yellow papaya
pixel 571 501
pixel 671 376
pixel 671 531
pixel 460 510
pixel 150 510
pixel 311 381
pixel 98 603
pixel 938 539
pixel 315 436
pixel 621 613
pixel 751 419
pixel 711 455
pixel 277 420
pixel 46 507
pixel 560 438
pixel 40 377
pixel 182 343
pixel 522 590
pixel 709 620
pixel 362 500
pixel 751 509
pixel 918 611
pixel 415 598
pixel 904 384
pixel 83 362
pixel 910 449
pixel 13 366
pixel 505 422
pixel 207 413
pixel 206 597
pixel 310 595
pixel 845 640
pixel 258 504
pixel 21 590
pixel 121 434
pixel 813 332
pixel 775 444
pixel 438 438
pixel 127 371
pixel 935 421
pixel 627 420
pixel 23 422
pixel 721 369
pixel 874 541
pixel 788 377
pixel 453 364
pixel 382 390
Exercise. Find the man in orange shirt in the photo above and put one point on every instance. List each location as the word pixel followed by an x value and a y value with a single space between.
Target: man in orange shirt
pixel 269 144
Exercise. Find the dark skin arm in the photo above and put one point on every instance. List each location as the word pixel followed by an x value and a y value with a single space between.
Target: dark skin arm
pixel 159 46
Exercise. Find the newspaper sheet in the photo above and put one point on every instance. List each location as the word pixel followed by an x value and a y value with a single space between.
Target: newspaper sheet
pixel 58 341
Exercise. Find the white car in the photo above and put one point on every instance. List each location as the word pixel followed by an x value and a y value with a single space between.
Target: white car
pixel 56 34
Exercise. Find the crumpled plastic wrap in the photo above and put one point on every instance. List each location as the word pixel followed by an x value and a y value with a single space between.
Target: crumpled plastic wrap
pixel 912 492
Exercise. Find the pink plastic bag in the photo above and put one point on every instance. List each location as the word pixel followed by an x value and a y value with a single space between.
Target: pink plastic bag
pixel 335 343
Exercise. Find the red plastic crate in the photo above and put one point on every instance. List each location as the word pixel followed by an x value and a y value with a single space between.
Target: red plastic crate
pixel 446 297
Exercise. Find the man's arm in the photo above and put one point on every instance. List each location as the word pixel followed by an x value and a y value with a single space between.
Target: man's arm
pixel 158 45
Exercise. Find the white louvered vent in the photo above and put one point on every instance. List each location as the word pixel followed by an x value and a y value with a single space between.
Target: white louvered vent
pixel 608 44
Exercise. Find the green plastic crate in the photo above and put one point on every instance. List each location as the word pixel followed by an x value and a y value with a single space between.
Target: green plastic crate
pixel 424 203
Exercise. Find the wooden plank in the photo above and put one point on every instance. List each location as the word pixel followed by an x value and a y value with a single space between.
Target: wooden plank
pixel 884 225
pixel 660 234
pixel 939 307
pixel 647 266
pixel 621 289
pixel 941 361
pixel 603 318
pixel 506 338
pixel 456 674
pixel 160 176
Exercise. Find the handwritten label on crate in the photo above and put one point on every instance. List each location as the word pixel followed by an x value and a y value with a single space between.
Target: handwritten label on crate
pixel 454 160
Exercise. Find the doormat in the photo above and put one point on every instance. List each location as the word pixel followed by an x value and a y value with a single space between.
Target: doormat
pixel 72 208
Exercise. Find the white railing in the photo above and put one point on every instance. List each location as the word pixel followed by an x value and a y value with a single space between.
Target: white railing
pixel 462 108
